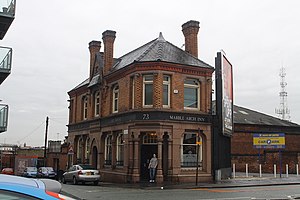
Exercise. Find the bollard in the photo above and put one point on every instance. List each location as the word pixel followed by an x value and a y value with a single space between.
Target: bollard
pixel 247 171
pixel 233 170
pixel 274 170
pixel 260 175
pixel 297 169
pixel 287 170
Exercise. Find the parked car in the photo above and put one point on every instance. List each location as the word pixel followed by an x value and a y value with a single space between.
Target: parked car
pixel 46 172
pixel 30 172
pixel 16 187
pixel 81 173
pixel 9 171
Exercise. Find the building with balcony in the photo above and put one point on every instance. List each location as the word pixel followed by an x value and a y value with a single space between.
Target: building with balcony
pixel 7 15
pixel 155 99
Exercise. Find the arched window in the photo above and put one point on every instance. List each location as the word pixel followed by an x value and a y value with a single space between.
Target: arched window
pixel 79 150
pixel 191 94
pixel 115 98
pixel 87 150
pixel 97 104
pixel 189 150
pixel 120 150
pixel 108 150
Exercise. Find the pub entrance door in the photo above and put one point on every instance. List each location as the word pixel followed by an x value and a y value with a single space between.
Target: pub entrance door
pixel 148 148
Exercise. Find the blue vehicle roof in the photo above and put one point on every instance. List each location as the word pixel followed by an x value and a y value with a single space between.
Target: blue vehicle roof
pixel 31 187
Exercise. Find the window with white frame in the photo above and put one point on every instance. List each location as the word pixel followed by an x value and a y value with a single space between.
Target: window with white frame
pixel 191 94
pixel 108 150
pixel 132 92
pixel 85 107
pixel 189 150
pixel 148 90
pixel 79 150
pixel 120 150
pixel 97 104
pixel 87 149
pixel 115 98
pixel 166 91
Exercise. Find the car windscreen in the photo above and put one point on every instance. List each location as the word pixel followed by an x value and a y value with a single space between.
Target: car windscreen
pixel 87 167
pixel 31 169
pixel 49 169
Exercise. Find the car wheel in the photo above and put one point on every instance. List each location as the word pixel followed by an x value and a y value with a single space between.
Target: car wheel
pixel 63 180
pixel 75 182
pixel 95 182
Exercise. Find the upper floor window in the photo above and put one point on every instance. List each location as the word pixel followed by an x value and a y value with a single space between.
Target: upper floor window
pixel 115 98
pixel 148 90
pixel 97 104
pixel 71 110
pixel 132 92
pixel 85 107
pixel 166 91
pixel 191 94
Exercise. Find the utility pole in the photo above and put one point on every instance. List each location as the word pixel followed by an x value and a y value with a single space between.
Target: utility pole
pixel 46 134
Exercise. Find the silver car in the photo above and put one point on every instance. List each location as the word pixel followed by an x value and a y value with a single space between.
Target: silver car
pixel 81 173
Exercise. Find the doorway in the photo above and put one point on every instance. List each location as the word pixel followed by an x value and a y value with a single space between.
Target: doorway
pixel 148 148
pixel 95 157
pixel 147 151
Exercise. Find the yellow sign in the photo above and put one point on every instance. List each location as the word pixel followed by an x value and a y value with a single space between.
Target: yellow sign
pixel 269 140
pixel 199 142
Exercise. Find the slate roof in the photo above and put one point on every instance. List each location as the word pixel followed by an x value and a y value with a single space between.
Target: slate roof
pixel 246 116
pixel 159 50
pixel 156 50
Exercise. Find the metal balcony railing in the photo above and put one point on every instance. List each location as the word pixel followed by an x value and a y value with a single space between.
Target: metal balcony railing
pixel 3 117
pixel 8 7
pixel 5 62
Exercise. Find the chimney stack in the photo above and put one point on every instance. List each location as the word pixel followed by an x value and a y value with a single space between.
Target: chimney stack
pixel 108 40
pixel 190 31
pixel 94 47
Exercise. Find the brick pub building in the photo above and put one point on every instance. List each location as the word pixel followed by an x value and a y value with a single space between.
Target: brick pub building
pixel 154 99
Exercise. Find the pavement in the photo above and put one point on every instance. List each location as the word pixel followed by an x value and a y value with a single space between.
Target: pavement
pixel 241 180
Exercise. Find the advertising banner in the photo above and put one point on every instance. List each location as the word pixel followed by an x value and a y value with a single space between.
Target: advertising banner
pixel 224 95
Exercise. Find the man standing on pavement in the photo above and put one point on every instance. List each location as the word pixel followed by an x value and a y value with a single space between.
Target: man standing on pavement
pixel 152 168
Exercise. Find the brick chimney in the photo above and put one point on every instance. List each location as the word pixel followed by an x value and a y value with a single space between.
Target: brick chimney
pixel 94 47
pixel 190 31
pixel 108 40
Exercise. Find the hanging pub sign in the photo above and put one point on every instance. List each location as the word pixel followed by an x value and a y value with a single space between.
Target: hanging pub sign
pixel 224 93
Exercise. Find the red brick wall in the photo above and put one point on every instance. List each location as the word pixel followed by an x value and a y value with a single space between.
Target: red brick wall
pixel 243 153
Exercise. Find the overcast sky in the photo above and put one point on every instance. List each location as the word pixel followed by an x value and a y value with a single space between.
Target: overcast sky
pixel 50 51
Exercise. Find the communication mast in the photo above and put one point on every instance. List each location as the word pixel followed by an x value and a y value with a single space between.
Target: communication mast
pixel 283 111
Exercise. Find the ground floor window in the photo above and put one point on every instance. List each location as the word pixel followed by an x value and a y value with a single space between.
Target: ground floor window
pixel 120 150
pixel 108 150
pixel 189 150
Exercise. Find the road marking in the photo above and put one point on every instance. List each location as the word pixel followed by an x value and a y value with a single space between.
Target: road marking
pixel 230 198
